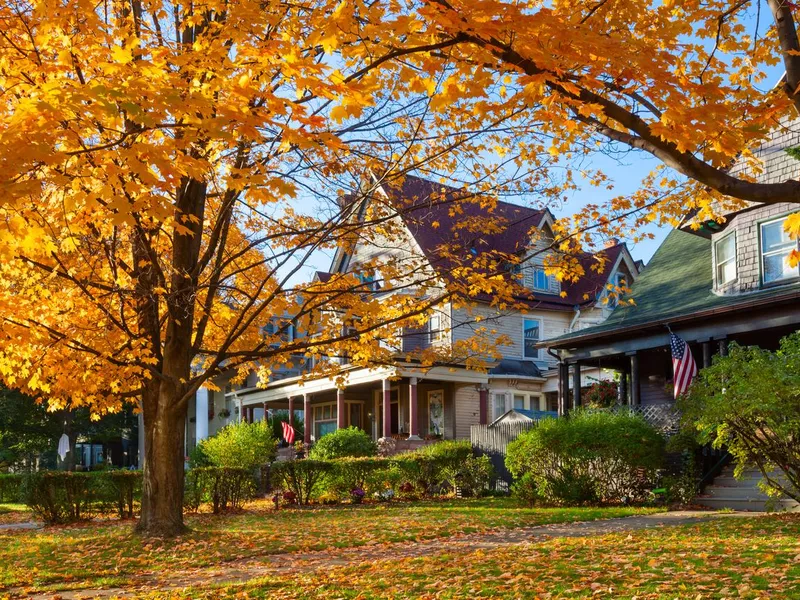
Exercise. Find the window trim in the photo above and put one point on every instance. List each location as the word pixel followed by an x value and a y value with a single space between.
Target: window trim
pixel 776 282
pixel 538 350
pixel 734 258
pixel 435 335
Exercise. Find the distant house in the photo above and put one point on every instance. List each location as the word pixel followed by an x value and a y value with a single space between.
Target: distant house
pixel 443 402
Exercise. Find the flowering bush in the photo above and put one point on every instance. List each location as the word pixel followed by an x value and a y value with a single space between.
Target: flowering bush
pixel 601 394
pixel 357 495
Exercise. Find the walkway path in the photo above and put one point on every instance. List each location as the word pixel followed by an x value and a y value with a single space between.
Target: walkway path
pixel 260 566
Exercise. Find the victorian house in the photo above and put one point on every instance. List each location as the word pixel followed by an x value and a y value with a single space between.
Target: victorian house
pixel 407 403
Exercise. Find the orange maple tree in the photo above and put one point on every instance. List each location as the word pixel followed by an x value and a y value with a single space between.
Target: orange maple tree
pixel 166 168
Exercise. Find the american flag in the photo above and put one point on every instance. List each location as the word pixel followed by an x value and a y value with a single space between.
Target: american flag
pixel 683 364
pixel 288 432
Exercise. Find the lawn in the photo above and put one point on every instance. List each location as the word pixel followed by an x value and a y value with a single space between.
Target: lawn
pixel 105 553
pixel 729 557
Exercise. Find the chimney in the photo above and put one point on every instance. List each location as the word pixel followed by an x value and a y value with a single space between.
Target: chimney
pixel 611 242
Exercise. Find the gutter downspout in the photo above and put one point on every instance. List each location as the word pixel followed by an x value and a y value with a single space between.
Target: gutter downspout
pixel 575 318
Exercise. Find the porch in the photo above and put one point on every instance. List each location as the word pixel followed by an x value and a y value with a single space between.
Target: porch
pixel 408 407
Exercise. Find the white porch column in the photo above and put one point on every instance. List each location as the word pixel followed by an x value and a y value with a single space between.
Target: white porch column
pixel 387 408
pixel 241 410
pixel 413 418
pixel 201 414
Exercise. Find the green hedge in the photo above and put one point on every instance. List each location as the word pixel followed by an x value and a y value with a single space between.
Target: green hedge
pixel 301 477
pixel 434 470
pixel 10 487
pixel 64 496
pixel 223 487
pixel 347 442
pixel 589 457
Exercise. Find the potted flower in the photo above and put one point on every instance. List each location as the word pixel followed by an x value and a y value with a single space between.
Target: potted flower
pixel 299 449
pixel 289 497
pixel 356 495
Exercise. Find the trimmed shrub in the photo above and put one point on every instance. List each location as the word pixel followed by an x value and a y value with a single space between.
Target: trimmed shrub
pixel 10 487
pixel 119 490
pixel 349 442
pixel 472 476
pixel 59 496
pixel 223 487
pixel 438 463
pixel 589 457
pixel 239 445
pixel 301 477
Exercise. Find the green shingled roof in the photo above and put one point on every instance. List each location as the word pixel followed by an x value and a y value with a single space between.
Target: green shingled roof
pixel 676 283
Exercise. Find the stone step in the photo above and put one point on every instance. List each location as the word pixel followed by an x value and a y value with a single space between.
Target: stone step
pixel 749 505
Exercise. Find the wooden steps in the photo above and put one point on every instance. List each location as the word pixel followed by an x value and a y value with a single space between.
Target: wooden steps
pixel 742 494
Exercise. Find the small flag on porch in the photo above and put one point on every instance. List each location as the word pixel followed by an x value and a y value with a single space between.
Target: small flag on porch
pixel 683 364
pixel 288 432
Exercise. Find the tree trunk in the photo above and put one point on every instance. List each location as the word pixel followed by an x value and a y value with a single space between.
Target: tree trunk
pixel 162 486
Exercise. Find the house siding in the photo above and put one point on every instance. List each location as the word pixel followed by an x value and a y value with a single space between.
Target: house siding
pixel 467 323
pixel 467 404
pixel 745 226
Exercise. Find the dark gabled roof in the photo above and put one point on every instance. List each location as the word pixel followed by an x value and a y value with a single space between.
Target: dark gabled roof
pixel 429 217
pixel 677 285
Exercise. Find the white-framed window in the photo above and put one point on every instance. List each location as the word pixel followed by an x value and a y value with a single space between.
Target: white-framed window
pixel 498 405
pixel 531 335
pixel 435 331
pixel 725 259
pixel 541 280
pixel 776 245
pixel 325 419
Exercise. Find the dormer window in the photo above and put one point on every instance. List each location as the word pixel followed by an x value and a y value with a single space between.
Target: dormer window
pixel 725 259
pixel 776 246
pixel 541 280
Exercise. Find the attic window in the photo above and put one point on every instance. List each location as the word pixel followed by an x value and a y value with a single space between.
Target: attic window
pixel 541 280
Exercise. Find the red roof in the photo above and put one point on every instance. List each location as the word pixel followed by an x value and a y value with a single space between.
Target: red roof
pixel 437 222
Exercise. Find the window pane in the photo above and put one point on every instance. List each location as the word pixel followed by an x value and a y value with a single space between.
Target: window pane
pixel 725 249
pixel 776 266
pixel 498 406
pixel 726 272
pixel 773 237
pixel 519 401
pixel 531 336
pixel 531 330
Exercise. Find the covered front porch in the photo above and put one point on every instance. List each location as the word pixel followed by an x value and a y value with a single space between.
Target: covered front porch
pixel 408 406
pixel 642 358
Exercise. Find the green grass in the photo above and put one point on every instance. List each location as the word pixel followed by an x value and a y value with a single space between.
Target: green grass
pixel 726 558
pixel 82 555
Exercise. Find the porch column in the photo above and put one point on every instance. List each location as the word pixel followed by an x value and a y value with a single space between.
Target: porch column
pixel 251 417
pixel 636 398
pixel 622 397
pixel 576 386
pixel 201 414
pixel 483 405
pixel 291 411
pixel 307 426
pixel 266 418
pixel 340 414
pixel 563 388
pixel 723 347
pixel 241 410
pixel 387 408
pixel 706 354
pixel 413 412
